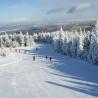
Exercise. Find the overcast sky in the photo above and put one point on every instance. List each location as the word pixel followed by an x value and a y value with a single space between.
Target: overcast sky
pixel 18 11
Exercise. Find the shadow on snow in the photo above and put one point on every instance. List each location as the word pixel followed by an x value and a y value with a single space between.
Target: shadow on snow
pixel 70 68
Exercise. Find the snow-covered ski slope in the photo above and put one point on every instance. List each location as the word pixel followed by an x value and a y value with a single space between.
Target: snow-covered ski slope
pixel 64 77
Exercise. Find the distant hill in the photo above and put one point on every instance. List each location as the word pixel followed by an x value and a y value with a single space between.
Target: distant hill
pixel 87 25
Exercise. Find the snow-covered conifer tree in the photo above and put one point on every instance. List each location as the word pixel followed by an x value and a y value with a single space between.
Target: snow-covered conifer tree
pixel 21 39
pixel 7 40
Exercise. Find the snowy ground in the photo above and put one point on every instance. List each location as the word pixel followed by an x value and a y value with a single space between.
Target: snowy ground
pixel 21 77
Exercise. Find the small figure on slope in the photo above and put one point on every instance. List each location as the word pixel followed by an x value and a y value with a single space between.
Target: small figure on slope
pixel 50 59
pixel 46 57
pixel 33 58
pixel 36 49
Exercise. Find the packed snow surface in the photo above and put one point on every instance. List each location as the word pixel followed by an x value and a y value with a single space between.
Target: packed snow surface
pixel 63 77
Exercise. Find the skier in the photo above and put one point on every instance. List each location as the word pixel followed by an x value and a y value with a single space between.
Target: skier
pixel 50 59
pixel 24 51
pixel 36 49
pixel 46 57
pixel 33 58
pixel 10 49
pixel 19 50
pixel 15 50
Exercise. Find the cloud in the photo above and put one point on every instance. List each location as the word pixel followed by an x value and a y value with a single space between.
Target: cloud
pixel 21 6
pixel 56 10
pixel 72 9
pixel 80 7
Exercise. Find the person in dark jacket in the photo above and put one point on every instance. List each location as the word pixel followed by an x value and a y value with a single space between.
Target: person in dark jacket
pixel 36 49
pixel 50 59
pixel 33 58
pixel 46 57
pixel 19 50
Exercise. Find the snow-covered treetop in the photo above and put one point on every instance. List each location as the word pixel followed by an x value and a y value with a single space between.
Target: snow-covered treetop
pixel 61 29
pixel 27 34
pixel 96 25
pixel 21 34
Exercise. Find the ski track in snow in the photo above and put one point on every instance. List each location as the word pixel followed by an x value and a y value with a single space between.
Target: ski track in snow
pixel 64 77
